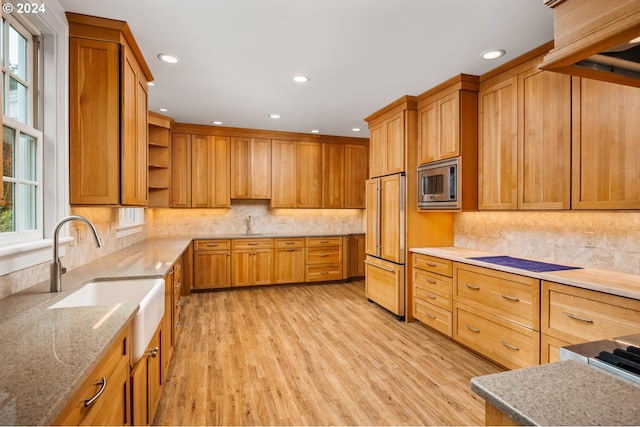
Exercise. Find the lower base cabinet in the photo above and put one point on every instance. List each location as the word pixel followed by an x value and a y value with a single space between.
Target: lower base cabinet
pixel 288 260
pixel 146 382
pixel 112 406
pixel 384 284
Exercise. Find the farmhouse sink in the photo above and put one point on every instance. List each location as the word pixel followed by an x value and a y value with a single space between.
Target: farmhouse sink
pixel 148 293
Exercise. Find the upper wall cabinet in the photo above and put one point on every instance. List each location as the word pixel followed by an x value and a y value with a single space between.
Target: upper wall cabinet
pixel 390 131
pixel 250 168
pixel 606 152
pixel 108 114
pixel 585 28
pixel 524 137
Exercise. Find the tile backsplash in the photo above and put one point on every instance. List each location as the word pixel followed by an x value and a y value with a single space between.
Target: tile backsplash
pixel 560 237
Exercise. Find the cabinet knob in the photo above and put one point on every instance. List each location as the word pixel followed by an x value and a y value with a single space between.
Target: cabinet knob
pixel 153 352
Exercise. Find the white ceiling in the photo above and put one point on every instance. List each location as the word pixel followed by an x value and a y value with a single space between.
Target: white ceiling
pixel 238 57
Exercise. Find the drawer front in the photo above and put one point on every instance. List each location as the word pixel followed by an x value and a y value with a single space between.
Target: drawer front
pixel 504 342
pixel 434 317
pixel 321 273
pixel 385 284
pixel 433 264
pixel 212 245
pixel 289 243
pixel 427 285
pixel 550 348
pixel 515 298
pixel 577 315
pixel 323 255
pixel 251 243
pixel 324 241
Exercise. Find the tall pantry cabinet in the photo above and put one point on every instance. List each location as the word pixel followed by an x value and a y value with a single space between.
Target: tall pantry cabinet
pixel 108 113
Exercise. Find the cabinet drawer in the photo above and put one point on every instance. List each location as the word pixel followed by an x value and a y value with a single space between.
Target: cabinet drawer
pixel 513 297
pixel 385 284
pixel 511 345
pixel 289 243
pixel 324 241
pixel 577 315
pixel 321 273
pixel 251 243
pixel 426 285
pixel 434 317
pixel 433 264
pixel 212 245
pixel 323 255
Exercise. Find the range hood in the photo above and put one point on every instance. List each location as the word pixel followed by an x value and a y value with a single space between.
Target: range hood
pixel 623 60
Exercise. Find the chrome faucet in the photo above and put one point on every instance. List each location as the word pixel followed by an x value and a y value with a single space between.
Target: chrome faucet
pixel 249 225
pixel 57 270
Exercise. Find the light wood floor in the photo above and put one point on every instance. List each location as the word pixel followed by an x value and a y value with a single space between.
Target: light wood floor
pixel 313 355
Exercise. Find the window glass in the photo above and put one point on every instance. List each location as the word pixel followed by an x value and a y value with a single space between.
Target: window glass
pixel 8 144
pixel 18 101
pixel 17 53
pixel 28 157
pixel 7 223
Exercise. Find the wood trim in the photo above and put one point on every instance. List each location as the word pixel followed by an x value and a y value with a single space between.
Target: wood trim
pixel 459 82
pixel 406 102
pixel 195 129
pixel 159 120
pixel 521 62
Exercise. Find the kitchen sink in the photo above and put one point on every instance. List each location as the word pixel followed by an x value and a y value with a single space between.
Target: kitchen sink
pixel 148 293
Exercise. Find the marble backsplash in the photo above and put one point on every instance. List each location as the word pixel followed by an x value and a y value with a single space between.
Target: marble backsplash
pixel 559 237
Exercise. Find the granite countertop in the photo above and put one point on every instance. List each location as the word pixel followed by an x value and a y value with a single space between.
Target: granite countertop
pixel 611 282
pixel 563 393
pixel 46 354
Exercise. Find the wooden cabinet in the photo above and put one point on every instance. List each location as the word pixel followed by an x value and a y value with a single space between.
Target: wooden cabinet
pixel 289 260
pixel 387 146
pixel 497 314
pixel 384 284
pixel 333 173
pixel 172 313
pixel 324 259
pixel 356 172
pixel 432 292
pixel 159 160
pixel 357 255
pixel 111 378
pixel 309 175
pixel 210 172
pixel 385 218
pixel 212 264
pixel 606 153
pixel 146 382
pixel 524 139
pixel 250 168
pixel 108 114
pixel 180 171
pixel 251 262
pixel 283 174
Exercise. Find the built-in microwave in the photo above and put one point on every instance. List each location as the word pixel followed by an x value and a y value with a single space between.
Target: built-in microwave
pixel 438 184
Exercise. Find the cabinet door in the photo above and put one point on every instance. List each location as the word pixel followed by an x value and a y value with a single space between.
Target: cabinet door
pixel 395 144
pixel 606 153
pixel 308 175
pixel 428 145
pixel 372 217
pixel 181 171
pixel 250 168
pixel 210 173
pixel 378 145
pixel 155 374
pixel 94 122
pixel 332 175
pixel 384 284
pixel 391 218
pixel 449 126
pixel 356 255
pixel 356 162
pixel 241 267
pixel 288 265
pixel 262 266
pixel 283 174
pixel 221 172
pixel 212 269
pixel 497 146
pixel 544 140
pixel 260 168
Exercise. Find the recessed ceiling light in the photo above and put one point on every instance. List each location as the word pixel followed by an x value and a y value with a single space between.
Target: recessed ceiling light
pixel 274 116
pixel 300 79
pixel 169 59
pixel 356 129
pixel 151 84
pixel 492 54
pixel 164 110
pixel 315 130
pixel 216 122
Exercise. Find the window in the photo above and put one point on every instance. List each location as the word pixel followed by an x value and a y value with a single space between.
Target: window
pixel 130 221
pixel 21 201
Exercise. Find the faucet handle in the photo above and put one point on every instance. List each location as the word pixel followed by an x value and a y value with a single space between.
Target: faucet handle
pixel 63 270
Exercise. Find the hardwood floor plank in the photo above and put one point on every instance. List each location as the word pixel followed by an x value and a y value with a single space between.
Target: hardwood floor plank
pixel 313 355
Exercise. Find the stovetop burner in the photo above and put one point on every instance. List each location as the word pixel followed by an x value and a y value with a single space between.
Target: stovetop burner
pixel 627 359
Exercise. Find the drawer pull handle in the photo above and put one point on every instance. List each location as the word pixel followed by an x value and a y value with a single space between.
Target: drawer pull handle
pixel 433 282
pixel 103 385
pixel 290 250
pixel 472 287
pixel 511 346
pixel 429 315
pixel 379 266
pixel 212 245
pixel 289 243
pixel 324 241
pixel 430 264
pixel 472 329
pixel 510 298
pixel 253 244
pixel 323 255
pixel 582 319
pixel 430 296
pixel 153 352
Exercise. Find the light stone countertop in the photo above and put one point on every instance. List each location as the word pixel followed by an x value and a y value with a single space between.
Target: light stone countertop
pixel 610 282
pixel 47 354
pixel 563 393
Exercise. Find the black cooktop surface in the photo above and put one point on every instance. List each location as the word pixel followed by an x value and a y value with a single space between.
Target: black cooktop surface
pixel 524 264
